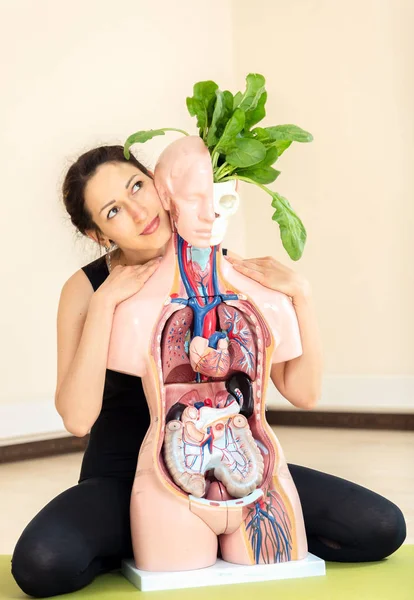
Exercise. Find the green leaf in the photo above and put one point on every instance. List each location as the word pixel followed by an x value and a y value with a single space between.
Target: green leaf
pixel 246 153
pixel 222 112
pixel 292 230
pixel 218 113
pixel 272 154
pixel 289 133
pixel 260 174
pixel 205 90
pixel 228 105
pixel 210 110
pixel 198 109
pixel 258 113
pixel 281 146
pixel 139 138
pixel 228 101
pixel 263 172
pixel 234 126
pixel 261 134
pixel 201 104
pixel 237 99
pixel 191 107
pixel 255 86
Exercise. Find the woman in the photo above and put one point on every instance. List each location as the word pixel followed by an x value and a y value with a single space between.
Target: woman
pixel 85 530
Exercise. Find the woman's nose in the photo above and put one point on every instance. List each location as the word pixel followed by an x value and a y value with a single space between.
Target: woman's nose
pixel 137 212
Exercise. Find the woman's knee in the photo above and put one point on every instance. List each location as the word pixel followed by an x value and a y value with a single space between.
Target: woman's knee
pixel 41 569
pixel 389 530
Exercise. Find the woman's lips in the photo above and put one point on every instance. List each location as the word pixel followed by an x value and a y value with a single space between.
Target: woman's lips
pixel 153 226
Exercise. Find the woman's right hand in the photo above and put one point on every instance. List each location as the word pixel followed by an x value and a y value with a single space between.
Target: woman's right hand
pixel 124 282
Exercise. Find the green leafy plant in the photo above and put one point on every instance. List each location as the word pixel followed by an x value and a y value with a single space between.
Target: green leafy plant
pixel 240 149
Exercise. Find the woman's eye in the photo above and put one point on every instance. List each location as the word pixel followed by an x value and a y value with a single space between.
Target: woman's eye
pixel 115 208
pixel 137 186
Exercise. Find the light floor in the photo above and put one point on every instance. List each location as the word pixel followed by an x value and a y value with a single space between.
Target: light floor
pixel 380 460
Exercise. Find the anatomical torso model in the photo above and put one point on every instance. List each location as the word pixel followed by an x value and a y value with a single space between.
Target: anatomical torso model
pixel 203 337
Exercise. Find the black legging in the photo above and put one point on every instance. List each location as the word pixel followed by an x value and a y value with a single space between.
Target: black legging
pixel 85 531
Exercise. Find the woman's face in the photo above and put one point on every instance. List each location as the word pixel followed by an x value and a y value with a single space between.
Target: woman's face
pixel 124 204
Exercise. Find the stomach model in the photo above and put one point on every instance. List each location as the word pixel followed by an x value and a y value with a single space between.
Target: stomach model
pixel 211 351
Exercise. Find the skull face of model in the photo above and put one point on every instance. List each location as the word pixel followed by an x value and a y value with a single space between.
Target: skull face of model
pixel 184 180
pixel 226 203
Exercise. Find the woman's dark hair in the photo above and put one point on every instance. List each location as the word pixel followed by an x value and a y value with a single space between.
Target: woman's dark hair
pixel 78 176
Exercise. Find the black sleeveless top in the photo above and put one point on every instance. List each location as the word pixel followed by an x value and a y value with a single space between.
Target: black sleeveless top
pixel 118 432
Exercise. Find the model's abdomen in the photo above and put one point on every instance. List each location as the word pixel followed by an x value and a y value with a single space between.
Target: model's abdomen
pixel 212 401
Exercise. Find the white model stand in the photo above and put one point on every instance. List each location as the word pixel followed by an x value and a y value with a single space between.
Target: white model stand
pixel 221 573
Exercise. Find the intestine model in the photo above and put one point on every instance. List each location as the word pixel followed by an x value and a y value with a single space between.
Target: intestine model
pixel 204 337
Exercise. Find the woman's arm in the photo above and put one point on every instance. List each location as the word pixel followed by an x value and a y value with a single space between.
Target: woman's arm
pixel 83 330
pixel 300 380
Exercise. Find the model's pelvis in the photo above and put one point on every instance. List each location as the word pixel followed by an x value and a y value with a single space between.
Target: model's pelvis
pixel 210 469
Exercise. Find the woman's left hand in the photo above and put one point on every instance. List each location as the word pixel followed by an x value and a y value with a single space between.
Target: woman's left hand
pixel 272 274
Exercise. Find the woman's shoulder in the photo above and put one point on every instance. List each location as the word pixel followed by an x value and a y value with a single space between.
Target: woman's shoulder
pixel 96 271
pixel 87 279
pixel 96 264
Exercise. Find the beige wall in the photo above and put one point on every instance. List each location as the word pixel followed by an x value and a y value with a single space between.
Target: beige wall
pixel 344 71
pixel 74 75
pixel 83 73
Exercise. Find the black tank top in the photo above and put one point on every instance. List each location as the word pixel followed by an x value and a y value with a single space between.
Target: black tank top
pixel 118 432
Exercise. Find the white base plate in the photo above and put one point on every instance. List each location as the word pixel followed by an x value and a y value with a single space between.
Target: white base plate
pixel 221 573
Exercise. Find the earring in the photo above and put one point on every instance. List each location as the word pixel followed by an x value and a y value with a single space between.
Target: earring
pixel 112 246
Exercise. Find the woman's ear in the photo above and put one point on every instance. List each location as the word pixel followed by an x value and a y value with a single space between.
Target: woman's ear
pixel 92 235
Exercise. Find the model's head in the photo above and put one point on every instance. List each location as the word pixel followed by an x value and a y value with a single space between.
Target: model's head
pixel 113 200
pixel 183 177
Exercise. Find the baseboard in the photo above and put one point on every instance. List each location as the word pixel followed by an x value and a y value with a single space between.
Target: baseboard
pixel 341 420
pixel 29 421
pixel 42 448
pixel 33 420
pixel 279 418
pixel 359 394
pixel 33 429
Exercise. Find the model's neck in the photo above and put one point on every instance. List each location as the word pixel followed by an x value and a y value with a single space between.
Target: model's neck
pixel 198 268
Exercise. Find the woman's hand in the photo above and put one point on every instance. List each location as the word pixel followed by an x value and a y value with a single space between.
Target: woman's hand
pixel 272 274
pixel 299 380
pixel 124 282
